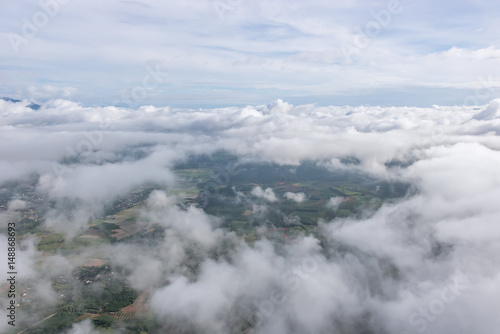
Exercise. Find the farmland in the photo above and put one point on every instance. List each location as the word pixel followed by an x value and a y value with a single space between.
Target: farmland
pixel 298 198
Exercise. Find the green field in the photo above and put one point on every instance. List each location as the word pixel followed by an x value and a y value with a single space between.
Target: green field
pixel 99 295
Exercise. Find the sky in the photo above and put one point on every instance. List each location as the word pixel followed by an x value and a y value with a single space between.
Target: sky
pixel 206 53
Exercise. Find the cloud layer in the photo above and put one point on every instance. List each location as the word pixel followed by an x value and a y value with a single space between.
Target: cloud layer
pixel 427 262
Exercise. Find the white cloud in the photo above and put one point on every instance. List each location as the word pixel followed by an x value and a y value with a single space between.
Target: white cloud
pixel 16 204
pixel 83 327
pixel 334 202
pixel 274 49
pixel 490 112
pixel 372 272
pixel 297 197
pixel 267 194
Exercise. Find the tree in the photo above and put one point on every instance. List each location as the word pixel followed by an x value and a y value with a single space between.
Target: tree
pixel 103 321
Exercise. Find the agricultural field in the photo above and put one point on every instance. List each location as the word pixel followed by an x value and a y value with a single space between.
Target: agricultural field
pixel 301 197
pixel 355 195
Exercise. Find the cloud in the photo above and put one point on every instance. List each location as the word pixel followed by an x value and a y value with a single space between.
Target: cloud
pixel 297 197
pixel 49 91
pixel 267 194
pixel 421 260
pixel 83 327
pixel 16 205
pixel 275 51
pixel 334 202
pixel 490 112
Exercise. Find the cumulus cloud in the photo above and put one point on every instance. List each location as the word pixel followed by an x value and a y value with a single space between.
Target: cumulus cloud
pixel 189 236
pixel 490 112
pixel 417 263
pixel 334 202
pixel 297 197
pixel 267 194
pixel 83 327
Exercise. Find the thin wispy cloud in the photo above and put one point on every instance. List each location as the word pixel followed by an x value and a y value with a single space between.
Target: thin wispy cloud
pixel 333 53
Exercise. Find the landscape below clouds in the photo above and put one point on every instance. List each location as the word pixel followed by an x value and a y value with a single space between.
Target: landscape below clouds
pixel 425 261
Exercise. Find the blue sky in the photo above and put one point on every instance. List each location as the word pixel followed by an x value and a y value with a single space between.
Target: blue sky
pixel 207 53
